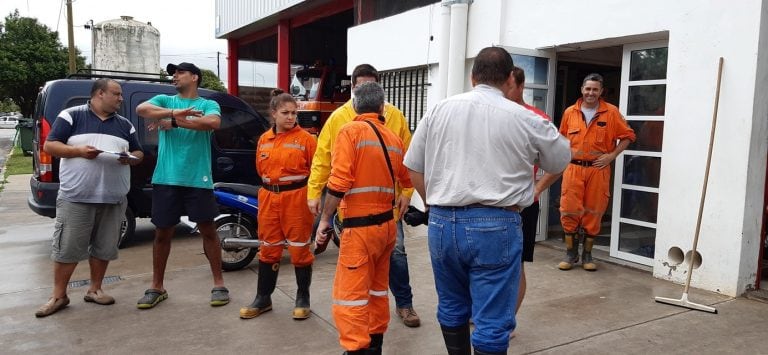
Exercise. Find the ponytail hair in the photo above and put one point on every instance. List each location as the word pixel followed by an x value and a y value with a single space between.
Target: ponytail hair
pixel 279 97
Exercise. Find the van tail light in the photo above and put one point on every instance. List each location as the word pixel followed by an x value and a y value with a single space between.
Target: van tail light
pixel 44 160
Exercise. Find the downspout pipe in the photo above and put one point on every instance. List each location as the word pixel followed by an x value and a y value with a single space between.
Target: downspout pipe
pixel 444 37
pixel 457 46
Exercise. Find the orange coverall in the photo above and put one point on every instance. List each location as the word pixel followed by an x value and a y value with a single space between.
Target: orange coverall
pixel 283 159
pixel 585 189
pixel 360 174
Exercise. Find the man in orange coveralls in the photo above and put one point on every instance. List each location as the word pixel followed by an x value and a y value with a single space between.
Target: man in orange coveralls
pixel 283 158
pixel 592 126
pixel 363 180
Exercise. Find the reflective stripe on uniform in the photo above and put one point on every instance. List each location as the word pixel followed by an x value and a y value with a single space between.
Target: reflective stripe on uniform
pixel 294 146
pixel 358 190
pixel 265 179
pixel 350 303
pixel 378 144
pixel 292 177
pixel 378 293
pixel 265 244
pixel 297 244
pixel 268 145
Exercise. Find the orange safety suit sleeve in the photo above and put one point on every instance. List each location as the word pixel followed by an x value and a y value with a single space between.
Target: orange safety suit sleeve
pixel 321 162
pixel 343 162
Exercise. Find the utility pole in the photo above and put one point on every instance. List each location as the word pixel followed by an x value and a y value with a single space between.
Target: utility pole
pixel 70 38
pixel 218 64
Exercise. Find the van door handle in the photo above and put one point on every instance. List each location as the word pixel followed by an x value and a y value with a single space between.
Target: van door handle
pixel 225 164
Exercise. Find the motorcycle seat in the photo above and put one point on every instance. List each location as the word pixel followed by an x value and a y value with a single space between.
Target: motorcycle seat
pixel 243 189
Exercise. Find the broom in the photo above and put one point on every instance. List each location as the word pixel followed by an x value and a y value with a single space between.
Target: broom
pixel 683 301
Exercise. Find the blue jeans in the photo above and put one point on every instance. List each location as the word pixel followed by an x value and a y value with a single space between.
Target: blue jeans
pixel 399 280
pixel 476 262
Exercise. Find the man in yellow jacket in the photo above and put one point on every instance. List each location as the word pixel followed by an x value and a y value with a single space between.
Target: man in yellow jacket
pixel 399 280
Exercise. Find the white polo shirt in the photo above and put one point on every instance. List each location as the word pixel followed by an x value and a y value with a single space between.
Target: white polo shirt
pixel 479 147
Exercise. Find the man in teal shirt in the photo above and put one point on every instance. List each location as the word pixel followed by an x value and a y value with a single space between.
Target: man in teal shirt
pixel 183 182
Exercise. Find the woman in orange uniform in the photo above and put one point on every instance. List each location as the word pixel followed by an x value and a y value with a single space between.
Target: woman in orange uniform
pixel 283 160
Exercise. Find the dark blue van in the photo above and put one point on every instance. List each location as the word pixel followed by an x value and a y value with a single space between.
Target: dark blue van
pixel 232 146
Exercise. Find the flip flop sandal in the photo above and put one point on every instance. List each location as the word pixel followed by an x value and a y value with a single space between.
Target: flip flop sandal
pixel 219 296
pixel 151 298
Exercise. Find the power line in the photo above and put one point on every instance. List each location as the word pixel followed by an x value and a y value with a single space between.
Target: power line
pixel 58 18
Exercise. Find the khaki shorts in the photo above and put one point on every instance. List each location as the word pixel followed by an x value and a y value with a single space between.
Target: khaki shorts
pixel 86 230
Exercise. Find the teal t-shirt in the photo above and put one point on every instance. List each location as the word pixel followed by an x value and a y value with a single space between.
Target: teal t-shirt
pixel 184 155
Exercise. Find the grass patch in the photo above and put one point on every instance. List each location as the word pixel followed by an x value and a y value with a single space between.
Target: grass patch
pixel 17 163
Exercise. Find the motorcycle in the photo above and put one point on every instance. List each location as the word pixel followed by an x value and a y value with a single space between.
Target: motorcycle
pixel 237 225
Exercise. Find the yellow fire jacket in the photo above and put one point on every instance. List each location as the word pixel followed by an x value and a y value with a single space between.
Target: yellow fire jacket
pixel 321 163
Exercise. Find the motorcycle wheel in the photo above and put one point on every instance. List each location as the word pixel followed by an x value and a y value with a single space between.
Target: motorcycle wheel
pixel 232 227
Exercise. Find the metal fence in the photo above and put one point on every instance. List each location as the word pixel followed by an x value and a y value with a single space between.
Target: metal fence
pixel 407 89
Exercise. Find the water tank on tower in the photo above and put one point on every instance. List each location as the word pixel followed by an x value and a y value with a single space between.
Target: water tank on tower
pixel 126 45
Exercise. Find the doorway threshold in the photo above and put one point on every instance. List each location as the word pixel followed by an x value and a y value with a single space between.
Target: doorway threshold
pixel 757 295
pixel 598 253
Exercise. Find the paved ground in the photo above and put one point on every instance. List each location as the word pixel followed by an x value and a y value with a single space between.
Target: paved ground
pixel 6 143
pixel 607 312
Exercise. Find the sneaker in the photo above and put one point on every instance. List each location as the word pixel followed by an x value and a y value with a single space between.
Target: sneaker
pixel 219 296
pixel 99 297
pixel 409 317
pixel 52 306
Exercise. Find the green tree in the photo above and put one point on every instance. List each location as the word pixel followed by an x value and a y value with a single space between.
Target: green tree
pixel 211 81
pixel 30 55
pixel 7 105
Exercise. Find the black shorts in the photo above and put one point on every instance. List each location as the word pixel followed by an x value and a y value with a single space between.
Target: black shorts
pixel 530 217
pixel 170 202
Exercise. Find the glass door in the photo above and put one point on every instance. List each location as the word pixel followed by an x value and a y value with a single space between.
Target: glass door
pixel 539 68
pixel 637 170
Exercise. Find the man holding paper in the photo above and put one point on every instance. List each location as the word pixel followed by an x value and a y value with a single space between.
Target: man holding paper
pixel 91 201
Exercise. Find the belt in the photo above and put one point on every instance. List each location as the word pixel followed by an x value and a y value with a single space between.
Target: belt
pixel 513 208
pixel 370 220
pixel 582 162
pixel 287 187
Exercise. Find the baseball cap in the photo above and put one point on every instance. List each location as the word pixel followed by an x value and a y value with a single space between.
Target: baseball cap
pixel 172 68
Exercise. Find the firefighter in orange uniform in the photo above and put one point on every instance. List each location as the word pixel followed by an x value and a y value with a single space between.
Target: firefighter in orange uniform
pixel 283 158
pixel 592 126
pixel 363 182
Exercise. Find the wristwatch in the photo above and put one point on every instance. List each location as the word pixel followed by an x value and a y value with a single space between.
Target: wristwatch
pixel 173 122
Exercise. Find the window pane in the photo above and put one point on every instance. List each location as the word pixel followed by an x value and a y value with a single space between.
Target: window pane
pixel 648 64
pixel 637 240
pixel 536 97
pixel 641 171
pixel 535 68
pixel 649 135
pixel 639 205
pixel 239 130
pixel 646 100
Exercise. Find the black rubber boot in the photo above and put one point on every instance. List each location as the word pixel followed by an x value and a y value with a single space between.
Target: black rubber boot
pixel 265 286
pixel 571 251
pixel 586 256
pixel 303 280
pixel 356 352
pixel 377 341
pixel 457 340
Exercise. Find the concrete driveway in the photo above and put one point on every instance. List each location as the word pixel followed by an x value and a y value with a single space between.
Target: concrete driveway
pixel 607 312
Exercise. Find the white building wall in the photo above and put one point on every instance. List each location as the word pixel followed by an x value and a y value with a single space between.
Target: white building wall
pixel 698 34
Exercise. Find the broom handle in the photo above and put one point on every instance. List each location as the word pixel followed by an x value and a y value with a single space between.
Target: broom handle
pixel 706 175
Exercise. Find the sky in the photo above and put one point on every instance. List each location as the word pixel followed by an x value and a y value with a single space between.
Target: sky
pixel 187 32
